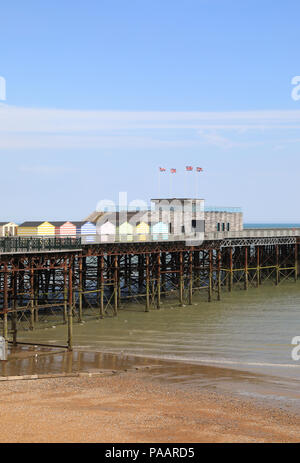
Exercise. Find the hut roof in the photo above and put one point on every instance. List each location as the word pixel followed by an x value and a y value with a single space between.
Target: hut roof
pixel 58 224
pixel 31 224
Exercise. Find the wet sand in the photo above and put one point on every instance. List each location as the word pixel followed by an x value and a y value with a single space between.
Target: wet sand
pixel 144 400
pixel 129 407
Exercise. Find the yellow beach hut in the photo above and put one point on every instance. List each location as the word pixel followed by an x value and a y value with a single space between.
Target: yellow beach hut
pixel 142 230
pixel 126 231
pixel 46 229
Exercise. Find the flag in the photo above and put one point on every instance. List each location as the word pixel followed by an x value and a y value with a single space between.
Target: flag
pixel 162 169
pixel 199 169
pixel 173 171
pixel 189 168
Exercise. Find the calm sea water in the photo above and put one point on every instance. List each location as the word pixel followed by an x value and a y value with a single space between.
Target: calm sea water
pixel 272 225
pixel 251 329
pixel 241 344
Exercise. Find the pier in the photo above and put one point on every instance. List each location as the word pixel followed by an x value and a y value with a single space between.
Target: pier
pixel 69 280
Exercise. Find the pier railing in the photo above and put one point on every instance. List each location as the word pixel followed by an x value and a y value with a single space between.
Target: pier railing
pixel 247 233
pixel 36 244
pixel 254 233
pixel 61 243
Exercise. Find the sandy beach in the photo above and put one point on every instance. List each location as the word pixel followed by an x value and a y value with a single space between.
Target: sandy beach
pixel 129 407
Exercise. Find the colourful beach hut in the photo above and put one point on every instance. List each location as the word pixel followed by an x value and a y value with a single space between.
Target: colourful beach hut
pixel 88 229
pixel 46 229
pixel 58 227
pixel 28 228
pixel 107 231
pixel 126 231
pixel 160 231
pixel 142 230
pixel 68 229
pixel 8 229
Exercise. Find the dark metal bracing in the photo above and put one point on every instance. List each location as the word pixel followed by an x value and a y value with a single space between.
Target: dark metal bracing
pixel 61 286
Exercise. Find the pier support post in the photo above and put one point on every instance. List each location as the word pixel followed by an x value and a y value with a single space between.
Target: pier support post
pixel 129 274
pixel 5 302
pixel 37 280
pixel 163 275
pixel 115 286
pixel 102 286
pixel 70 308
pixel 65 310
pixel 119 281
pixel 158 281
pixel 147 284
pixel 31 296
pixel 14 315
pixel 277 276
pixel 258 266
pixel 191 277
pixel 246 269
pixel 210 276
pixel 230 273
pixel 80 289
pixel 219 275
pixel 181 280
pixel 296 262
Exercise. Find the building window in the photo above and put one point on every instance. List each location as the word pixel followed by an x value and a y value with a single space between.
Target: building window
pixel 223 226
pixel 218 226
pixel 193 223
pixel 228 226
pixel 182 229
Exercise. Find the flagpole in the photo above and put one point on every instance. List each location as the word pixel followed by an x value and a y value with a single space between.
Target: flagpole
pixel 159 183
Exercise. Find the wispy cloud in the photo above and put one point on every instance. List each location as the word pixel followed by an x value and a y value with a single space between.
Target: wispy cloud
pixel 34 128
pixel 45 169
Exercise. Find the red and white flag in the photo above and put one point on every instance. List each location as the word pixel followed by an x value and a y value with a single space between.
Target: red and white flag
pixel 189 168
pixel 199 169
pixel 173 171
pixel 162 169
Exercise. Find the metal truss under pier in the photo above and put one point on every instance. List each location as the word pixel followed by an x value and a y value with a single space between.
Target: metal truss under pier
pixel 75 282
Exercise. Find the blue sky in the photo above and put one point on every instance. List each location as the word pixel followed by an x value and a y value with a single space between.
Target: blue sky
pixel 100 93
